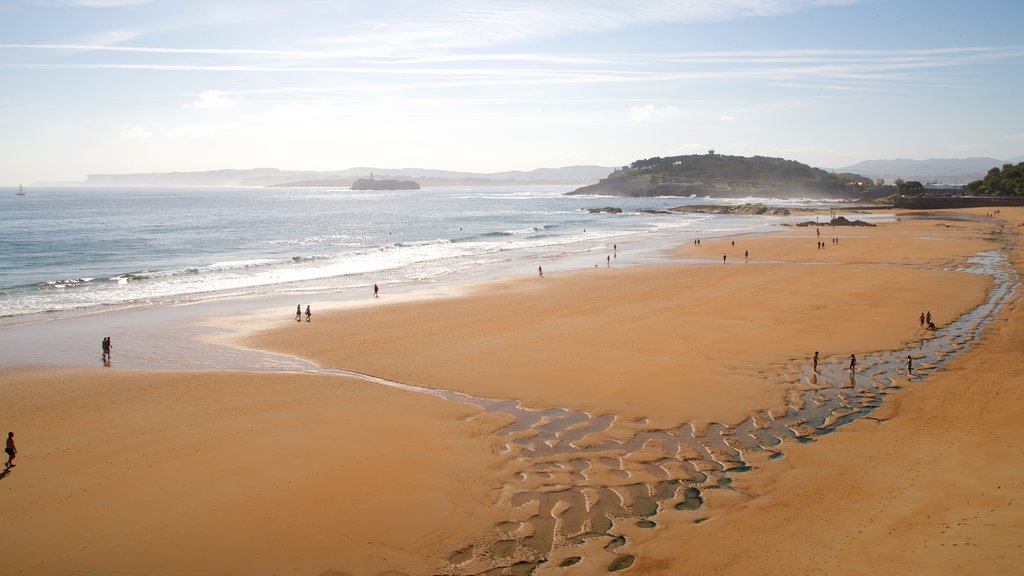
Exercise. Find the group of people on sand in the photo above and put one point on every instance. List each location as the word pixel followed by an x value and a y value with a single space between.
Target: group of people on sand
pixel 106 347
pixel 816 358
pixel 926 320
pixel 309 311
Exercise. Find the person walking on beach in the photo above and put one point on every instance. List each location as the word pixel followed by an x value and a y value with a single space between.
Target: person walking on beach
pixel 814 361
pixel 11 450
pixel 298 313
pixel 928 317
pixel 540 271
pixel 106 346
pixel 853 363
pixel 309 314
pixel 910 365
pixel 922 319
pixel 375 290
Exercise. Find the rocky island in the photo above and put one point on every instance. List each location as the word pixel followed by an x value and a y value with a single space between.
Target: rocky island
pixel 719 176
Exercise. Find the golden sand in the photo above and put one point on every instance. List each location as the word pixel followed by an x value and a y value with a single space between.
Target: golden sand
pixel 210 473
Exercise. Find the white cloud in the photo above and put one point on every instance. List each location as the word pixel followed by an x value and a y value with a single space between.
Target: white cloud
pixel 727 119
pixel 213 100
pixel 132 132
pixel 651 112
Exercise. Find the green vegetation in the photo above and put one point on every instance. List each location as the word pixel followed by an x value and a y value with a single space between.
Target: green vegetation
pixel 737 171
pixel 1006 182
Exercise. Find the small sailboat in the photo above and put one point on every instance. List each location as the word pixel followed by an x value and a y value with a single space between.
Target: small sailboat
pixel 20 192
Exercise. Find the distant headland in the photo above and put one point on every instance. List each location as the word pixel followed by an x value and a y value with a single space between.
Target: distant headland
pixel 426 177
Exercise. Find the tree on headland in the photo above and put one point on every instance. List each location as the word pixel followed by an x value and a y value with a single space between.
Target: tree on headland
pixel 909 187
pixel 1008 181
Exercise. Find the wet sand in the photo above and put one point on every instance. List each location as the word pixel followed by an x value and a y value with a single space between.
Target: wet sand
pixel 624 453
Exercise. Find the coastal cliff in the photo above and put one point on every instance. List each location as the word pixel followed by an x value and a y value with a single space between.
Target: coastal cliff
pixel 720 176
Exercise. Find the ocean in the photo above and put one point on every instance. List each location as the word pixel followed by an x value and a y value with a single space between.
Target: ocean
pixel 69 250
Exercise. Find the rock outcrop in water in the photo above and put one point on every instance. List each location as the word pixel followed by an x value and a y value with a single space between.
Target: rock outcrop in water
pixel 837 221
pixel 752 209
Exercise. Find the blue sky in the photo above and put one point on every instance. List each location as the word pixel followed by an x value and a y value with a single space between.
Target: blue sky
pixel 114 86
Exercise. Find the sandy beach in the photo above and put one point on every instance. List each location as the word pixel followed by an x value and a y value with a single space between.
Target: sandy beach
pixel 636 378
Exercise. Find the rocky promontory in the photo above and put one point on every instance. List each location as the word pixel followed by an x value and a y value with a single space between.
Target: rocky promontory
pixel 720 176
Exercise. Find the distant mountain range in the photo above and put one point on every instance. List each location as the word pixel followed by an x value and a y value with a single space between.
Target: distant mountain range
pixel 931 171
pixel 344 178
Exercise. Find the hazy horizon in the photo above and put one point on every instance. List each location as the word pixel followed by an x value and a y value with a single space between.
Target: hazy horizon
pixel 141 86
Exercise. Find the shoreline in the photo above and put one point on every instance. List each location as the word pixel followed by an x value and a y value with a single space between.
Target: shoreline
pixel 155 330
pixel 635 349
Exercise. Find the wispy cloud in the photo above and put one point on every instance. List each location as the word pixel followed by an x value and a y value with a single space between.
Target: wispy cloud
pixel 111 38
pixel 455 25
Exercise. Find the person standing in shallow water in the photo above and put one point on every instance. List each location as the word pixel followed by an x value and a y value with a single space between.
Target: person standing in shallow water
pixel 814 361
pixel 375 290
pixel 853 363
pixel 10 449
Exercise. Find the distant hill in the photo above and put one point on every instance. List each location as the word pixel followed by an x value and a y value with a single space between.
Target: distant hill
pixel 931 171
pixel 345 178
pixel 717 175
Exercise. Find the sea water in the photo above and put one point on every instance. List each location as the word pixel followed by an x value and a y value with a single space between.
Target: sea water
pixel 79 250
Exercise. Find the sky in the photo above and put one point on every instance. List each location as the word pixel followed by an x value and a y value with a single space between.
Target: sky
pixel 124 86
